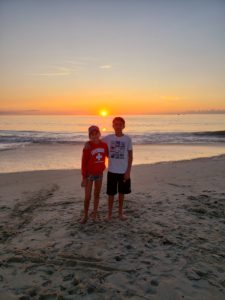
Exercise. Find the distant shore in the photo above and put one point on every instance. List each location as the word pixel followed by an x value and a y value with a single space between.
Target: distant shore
pixel 171 247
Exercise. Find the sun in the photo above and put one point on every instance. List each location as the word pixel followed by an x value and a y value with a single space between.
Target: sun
pixel 103 113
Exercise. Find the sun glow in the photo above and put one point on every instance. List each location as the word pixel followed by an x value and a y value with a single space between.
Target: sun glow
pixel 103 113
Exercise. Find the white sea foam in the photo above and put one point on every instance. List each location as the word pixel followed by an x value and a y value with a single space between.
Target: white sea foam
pixel 13 139
pixel 55 142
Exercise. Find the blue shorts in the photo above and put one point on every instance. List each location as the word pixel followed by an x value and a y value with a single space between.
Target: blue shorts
pixel 95 177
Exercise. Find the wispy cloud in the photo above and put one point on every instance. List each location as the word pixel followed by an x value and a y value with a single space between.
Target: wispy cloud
pixel 86 62
pixel 72 66
pixel 58 71
pixel 81 60
pixel 76 63
pixel 18 112
pixel 106 67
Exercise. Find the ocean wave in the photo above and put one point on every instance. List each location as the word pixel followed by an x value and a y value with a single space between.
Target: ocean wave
pixel 13 139
pixel 40 137
pixel 211 133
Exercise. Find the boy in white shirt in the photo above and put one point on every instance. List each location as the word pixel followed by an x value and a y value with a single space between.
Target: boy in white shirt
pixel 120 162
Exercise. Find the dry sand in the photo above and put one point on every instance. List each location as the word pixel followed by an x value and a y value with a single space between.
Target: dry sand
pixel 171 247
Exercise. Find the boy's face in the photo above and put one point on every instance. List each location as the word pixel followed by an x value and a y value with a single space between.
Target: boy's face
pixel 94 136
pixel 118 126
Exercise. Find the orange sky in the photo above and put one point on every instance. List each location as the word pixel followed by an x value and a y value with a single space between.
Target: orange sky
pixel 115 102
pixel 77 57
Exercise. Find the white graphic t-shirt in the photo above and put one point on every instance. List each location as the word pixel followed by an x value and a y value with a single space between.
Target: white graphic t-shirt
pixel 118 152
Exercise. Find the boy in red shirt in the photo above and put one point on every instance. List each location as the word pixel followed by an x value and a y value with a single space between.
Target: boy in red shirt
pixel 93 165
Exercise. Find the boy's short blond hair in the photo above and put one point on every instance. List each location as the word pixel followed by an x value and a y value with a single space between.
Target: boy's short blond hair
pixel 119 119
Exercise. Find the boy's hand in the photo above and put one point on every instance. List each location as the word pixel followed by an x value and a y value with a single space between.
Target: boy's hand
pixel 126 176
pixel 84 182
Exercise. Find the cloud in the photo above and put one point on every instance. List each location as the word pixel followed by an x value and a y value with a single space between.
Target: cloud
pixel 106 67
pixel 81 62
pixel 58 71
pixel 18 112
pixel 206 111
pixel 85 62
pixel 77 63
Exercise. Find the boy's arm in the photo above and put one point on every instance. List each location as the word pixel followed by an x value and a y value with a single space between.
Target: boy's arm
pixel 130 160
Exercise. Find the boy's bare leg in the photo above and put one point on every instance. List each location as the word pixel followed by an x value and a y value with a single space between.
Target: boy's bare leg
pixel 88 189
pixel 120 211
pixel 110 207
pixel 97 189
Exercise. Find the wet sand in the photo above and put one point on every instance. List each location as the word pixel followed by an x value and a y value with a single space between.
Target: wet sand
pixel 171 247
pixel 44 157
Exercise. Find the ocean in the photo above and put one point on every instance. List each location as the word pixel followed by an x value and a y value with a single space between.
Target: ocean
pixel 31 142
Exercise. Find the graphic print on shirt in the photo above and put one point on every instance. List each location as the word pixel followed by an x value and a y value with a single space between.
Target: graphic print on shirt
pixel 99 156
pixel 117 149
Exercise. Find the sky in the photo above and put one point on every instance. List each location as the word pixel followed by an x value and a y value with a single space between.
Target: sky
pixel 124 56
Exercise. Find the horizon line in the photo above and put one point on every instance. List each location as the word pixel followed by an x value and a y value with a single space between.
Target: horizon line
pixel 211 112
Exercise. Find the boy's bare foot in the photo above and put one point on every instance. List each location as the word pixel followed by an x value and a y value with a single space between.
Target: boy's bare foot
pixel 123 217
pixel 83 221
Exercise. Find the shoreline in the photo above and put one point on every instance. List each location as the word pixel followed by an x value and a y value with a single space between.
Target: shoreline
pixel 61 157
pixel 171 247
pixel 134 166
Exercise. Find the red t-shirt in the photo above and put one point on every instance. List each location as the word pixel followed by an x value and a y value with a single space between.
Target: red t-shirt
pixel 93 158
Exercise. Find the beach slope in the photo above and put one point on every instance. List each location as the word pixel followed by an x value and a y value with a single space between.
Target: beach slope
pixel 171 247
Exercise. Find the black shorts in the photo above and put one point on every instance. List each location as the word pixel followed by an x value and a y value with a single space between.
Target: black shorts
pixel 116 183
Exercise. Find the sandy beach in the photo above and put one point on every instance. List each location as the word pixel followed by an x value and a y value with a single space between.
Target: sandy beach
pixel 171 247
